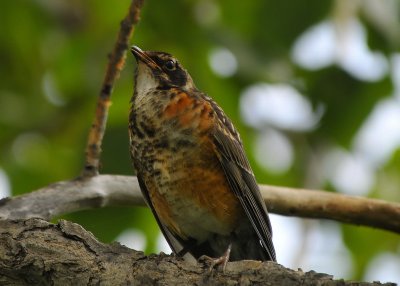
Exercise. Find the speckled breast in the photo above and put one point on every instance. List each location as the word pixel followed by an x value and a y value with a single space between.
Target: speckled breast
pixel 173 152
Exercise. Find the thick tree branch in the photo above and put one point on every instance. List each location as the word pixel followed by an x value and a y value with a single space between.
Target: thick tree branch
pixel 110 190
pixel 35 252
pixel 114 67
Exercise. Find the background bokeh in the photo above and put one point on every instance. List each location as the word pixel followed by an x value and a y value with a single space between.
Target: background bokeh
pixel 313 87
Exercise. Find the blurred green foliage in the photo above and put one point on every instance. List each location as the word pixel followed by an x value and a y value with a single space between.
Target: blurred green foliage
pixel 53 56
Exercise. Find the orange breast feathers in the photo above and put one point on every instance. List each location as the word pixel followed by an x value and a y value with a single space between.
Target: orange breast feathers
pixel 197 198
pixel 190 111
pixel 207 205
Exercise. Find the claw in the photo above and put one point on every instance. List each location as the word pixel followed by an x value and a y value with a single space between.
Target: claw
pixel 223 260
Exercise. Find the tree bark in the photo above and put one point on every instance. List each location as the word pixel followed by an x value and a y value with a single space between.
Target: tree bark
pixel 36 252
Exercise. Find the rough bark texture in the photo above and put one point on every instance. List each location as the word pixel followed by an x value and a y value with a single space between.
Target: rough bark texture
pixel 36 252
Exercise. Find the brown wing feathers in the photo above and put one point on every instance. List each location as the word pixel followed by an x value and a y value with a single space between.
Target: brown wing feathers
pixel 241 179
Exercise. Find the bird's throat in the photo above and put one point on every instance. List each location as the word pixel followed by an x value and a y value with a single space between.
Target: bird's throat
pixel 144 79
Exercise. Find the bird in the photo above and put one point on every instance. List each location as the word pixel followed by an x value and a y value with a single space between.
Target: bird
pixel 192 168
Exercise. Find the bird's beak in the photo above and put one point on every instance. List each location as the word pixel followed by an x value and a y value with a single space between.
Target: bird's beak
pixel 143 57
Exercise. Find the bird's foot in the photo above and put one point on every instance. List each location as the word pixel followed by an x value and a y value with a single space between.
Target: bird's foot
pixel 213 262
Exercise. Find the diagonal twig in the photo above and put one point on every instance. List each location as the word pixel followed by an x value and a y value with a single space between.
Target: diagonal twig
pixel 114 67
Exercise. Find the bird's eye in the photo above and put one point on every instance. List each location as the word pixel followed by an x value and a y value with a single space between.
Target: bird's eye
pixel 170 65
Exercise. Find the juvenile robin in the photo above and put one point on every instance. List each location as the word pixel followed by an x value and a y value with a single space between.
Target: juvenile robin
pixel 191 167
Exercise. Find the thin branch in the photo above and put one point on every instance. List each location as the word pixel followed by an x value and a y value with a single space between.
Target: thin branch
pixel 327 205
pixel 110 190
pixel 115 65
pixel 72 196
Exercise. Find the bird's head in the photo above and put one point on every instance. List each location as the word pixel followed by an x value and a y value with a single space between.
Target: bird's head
pixel 159 70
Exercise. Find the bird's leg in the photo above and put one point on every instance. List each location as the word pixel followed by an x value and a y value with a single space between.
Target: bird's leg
pixel 223 260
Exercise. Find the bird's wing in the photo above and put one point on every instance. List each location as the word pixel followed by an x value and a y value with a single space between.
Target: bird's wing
pixel 229 149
